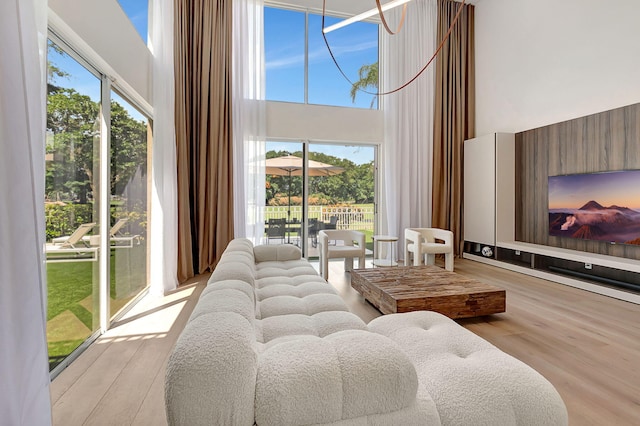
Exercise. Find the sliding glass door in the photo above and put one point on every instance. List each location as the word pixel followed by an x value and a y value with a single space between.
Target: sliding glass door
pixel 283 193
pixel 86 288
pixel 71 189
pixel 129 203
pixel 342 191
pixel 315 186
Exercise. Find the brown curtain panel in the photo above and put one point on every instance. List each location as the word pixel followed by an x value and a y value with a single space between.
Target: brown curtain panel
pixel 454 119
pixel 202 51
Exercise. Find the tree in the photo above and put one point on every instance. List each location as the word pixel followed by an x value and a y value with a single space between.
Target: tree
pixel 368 80
pixel 128 147
pixel 72 119
pixel 53 72
pixel 354 185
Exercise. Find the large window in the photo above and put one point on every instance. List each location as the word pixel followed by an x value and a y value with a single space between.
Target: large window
pixel 300 69
pixel 86 288
pixel 284 54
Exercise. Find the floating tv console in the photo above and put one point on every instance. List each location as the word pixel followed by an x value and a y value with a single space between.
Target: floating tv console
pixel 607 275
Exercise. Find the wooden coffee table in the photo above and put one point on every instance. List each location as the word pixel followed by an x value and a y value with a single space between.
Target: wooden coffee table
pixel 429 288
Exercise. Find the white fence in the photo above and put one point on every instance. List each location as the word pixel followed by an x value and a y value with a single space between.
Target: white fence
pixel 357 217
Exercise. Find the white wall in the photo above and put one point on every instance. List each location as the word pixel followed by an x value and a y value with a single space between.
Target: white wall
pixel 104 35
pixel 540 62
pixel 323 123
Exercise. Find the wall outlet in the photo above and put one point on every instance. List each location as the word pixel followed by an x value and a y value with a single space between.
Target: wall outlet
pixel 587 266
pixel 517 252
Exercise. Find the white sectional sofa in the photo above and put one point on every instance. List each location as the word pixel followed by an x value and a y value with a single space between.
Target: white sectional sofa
pixel 272 343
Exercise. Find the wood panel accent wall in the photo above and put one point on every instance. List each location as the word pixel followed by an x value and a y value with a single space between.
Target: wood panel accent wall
pixel 606 141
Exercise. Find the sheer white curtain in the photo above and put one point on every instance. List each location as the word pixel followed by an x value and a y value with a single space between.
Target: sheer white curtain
pixel 249 119
pixel 408 119
pixel 24 369
pixel 163 274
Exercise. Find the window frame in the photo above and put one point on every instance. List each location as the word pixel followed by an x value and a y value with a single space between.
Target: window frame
pixel 333 14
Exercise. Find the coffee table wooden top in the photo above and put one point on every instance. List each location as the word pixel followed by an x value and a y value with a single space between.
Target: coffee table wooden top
pixel 427 287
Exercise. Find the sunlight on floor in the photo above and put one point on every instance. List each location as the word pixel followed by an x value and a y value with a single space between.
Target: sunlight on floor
pixel 155 315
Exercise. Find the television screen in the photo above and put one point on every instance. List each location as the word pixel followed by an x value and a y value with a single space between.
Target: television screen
pixel 596 206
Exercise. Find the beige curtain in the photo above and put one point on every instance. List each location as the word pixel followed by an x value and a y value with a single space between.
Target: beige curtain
pixel 202 50
pixel 454 115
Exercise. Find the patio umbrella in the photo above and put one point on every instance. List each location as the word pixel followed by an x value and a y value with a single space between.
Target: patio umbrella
pixel 290 165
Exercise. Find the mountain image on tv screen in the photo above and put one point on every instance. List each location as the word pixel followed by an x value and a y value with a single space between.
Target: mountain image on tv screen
pixel 596 206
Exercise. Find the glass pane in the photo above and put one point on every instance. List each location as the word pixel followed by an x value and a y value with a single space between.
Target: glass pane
pixel 138 13
pixel 284 54
pixel 72 172
pixel 283 203
pixel 341 191
pixel 128 221
pixel 355 47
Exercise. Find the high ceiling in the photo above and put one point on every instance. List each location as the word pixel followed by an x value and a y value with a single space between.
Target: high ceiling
pixel 349 7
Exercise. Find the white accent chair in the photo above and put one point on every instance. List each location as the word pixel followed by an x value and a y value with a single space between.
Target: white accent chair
pixel 343 248
pixel 421 243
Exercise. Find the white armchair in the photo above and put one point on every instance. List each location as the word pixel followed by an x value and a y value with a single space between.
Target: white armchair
pixel 352 246
pixel 421 243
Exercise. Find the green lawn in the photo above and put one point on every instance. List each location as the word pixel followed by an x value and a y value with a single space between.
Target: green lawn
pixel 71 303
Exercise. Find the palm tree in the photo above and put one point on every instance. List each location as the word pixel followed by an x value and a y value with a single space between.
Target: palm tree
pixel 368 79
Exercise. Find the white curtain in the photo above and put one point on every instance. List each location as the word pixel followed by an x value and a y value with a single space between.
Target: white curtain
pixel 24 368
pixel 408 119
pixel 164 214
pixel 249 119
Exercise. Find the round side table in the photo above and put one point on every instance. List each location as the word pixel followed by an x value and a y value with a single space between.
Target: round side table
pixel 393 245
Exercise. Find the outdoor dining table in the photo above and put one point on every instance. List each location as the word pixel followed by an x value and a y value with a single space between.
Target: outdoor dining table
pixel 295 225
pixel 290 227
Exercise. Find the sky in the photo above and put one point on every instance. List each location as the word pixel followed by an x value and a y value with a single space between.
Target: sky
pixel 138 12
pixel 612 188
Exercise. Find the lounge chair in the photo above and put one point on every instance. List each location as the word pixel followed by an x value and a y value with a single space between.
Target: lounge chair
pixel 115 229
pixel 78 236
pixel 119 240
pixel 116 238
pixel 74 248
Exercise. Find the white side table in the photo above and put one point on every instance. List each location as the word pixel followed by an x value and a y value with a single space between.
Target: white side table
pixel 393 245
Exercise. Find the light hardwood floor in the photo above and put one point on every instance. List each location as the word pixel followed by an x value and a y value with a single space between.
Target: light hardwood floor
pixel 586 344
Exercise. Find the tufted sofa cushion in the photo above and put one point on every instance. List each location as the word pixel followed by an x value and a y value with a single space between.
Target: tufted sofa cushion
pixel 279 253
pixel 307 305
pixel 289 268
pixel 241 286
pixel 233 269
pixel 471 381
pixel 225 300
pixel 320 325
pixel 345 375
pixel 205 361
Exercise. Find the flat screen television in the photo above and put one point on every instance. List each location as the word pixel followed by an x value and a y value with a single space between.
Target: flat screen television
pixel 596 206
